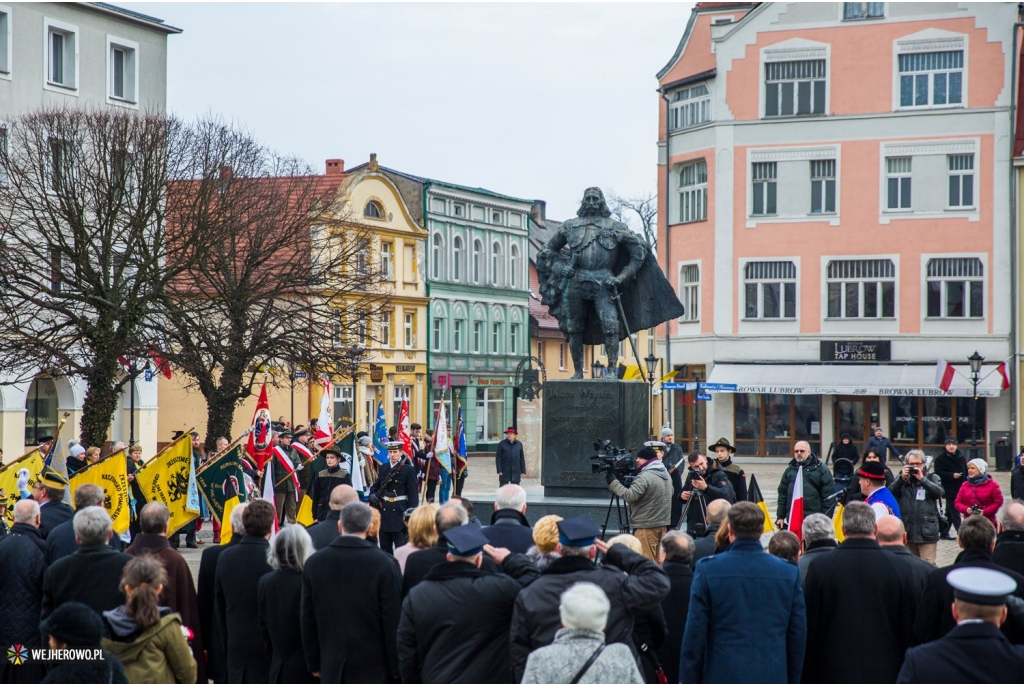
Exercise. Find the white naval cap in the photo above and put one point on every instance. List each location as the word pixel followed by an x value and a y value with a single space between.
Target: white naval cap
pixel 981 585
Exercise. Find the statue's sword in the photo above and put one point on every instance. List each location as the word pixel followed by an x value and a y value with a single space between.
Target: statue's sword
pixel 622 316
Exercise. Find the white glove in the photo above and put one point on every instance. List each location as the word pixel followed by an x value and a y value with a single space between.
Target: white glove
pixel 22 480
pixel 299 467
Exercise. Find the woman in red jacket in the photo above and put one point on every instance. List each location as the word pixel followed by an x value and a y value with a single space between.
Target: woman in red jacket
pixel 979 494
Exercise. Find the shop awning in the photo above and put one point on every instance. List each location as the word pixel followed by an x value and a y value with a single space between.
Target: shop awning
pixel 851 379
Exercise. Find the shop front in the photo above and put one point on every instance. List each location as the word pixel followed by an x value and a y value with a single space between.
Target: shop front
pixel 486 403
pixel 387 384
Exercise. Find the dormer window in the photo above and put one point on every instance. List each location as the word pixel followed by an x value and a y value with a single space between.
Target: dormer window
pixel 373 210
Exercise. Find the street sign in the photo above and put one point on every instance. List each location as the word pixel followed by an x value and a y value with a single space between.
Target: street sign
pixel 679 386
pixel 703 397
pixel 149 375
pixel 717 387
pixel 300 374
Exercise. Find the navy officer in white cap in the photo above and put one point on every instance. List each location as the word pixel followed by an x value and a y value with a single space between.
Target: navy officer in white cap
pixel 976 651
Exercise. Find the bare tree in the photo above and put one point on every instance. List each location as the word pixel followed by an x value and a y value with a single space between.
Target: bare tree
pixel 282 276
pixel 82 244
pixel 639 212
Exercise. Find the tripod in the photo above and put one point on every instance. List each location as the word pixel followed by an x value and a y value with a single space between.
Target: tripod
pixel 621 510
pixel 698 496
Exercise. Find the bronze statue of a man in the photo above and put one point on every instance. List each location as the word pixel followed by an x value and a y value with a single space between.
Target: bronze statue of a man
pixel 591 266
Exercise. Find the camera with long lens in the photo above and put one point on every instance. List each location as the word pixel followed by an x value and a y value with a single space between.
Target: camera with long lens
pixel 619 462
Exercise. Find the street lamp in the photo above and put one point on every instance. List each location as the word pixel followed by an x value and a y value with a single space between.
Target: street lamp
pixel 696 412
pixel 975 360
pixel 651 362
pixel 597 369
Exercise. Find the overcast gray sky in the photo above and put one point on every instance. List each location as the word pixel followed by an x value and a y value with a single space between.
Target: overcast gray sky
pixel 531 100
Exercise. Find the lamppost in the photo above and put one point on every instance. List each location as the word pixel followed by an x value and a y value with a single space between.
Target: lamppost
pixel 597 369
pixel 975 361
pixel 651 362
pixel 133 372
pixel 696 411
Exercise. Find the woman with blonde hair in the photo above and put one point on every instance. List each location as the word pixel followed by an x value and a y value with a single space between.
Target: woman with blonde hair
pixel 92 456
pixel 545 539
pixel 422 533
pixel 148 639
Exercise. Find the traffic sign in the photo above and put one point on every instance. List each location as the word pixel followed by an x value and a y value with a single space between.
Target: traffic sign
pixel 679 386
pixel 300 374
pixel 703 397
pixel 717 387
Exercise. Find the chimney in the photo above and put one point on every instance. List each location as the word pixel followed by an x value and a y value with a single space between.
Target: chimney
pixel 538 212
pixel 225 173
pixel 373 162
pixel 335 167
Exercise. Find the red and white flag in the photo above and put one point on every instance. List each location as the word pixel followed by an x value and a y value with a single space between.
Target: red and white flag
pixel 1004 371
pixel 796 505
pixel 403 427
pixel 268 493
pixel 324 423
pixel 944 375
pixel 260 445
pixel 285 462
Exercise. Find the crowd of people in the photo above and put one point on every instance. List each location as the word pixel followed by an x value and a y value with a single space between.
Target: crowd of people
pixel 399 589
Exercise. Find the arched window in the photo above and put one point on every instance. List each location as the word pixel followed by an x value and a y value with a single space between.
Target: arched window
pixel 436 255
pixel 457 258
pixel 495 263
pixel 478 260
pixel 513 266
pixel 373 210
pixel 41 410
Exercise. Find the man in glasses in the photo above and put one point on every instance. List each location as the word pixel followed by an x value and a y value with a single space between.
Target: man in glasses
pixel 818 485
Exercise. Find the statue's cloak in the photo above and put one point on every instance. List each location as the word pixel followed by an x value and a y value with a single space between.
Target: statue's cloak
pixel 647 300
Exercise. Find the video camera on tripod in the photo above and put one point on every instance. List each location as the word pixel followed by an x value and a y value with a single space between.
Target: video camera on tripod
pixel 613 461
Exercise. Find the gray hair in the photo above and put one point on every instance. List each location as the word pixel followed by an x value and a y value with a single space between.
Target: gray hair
pixel 677 546
pixel 26 511
pixel 290 548
pixel 1011 515
pixel 450 515
pixel 510 496
pixel 356 518
pixel 92 526
pixel 89 495
pixel 917 453
pixel 237 526
pixel 817 527
pixel 154 518
pixel 584 606
pixel 575 551
pixel 858 520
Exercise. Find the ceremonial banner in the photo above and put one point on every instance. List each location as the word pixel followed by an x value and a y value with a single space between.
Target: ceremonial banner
pixel 231 499
pixel 260 445
pixel 169 477
pixel 404 434
pixel 380 436
pixel 324 423
pixel 837 522
pixel 33 461
pixel 223 474
pixel 795 522
pixel 460 441
pixel 111 474
pixel 303 518
pixel 442 448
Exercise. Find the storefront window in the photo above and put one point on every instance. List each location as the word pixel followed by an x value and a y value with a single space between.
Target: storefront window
pixel 687 412
pixel 490 414
pixel 343 403
pixel 41 414
pixel 769 425
pixel 401 391
pixel 925 422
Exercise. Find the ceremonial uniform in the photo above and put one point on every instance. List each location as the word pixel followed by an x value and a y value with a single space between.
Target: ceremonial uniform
pixel 733 472
pixel 52 513
pixel 285 490
pixel 326 481
pixel 393 494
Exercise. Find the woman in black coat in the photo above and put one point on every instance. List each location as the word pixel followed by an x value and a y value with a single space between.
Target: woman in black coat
pixel 280 598
pixel 846 450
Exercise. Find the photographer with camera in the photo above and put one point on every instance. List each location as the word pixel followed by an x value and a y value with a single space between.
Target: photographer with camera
pixel 980 494
pixel 703 484
pixel 649 497
pixel 918 493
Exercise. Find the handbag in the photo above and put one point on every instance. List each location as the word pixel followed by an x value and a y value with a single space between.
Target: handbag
pixel 587 664
pixel 659 672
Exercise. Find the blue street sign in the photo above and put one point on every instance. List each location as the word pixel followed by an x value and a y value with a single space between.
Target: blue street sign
pixel 300 374
pixel 703 397
pixel 717 387
pixel 679 386
pixel 149 375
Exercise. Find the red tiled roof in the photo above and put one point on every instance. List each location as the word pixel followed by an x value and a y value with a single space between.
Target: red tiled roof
pixel 538 311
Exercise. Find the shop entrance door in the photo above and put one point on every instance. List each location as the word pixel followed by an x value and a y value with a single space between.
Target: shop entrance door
pixel 856 416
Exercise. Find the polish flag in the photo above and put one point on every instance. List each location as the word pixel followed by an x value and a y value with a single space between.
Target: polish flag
pixel 1003 371
pixel 944 375
pixel 796 506
pixel 324 423
pixel 268 493
pixel 403 427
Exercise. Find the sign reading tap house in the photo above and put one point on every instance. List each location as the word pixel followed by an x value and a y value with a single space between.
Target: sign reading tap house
pixel 855 351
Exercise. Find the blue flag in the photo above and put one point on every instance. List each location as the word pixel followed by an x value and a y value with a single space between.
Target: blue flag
pixel 380 436
pixel 460 441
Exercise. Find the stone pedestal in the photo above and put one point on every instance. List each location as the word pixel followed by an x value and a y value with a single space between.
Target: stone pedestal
pixel 529 427
pixel 576 414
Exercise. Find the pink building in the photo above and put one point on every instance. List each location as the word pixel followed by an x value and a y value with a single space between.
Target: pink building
pixel 834 181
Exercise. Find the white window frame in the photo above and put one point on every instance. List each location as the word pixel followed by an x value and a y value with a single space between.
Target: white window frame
pixel 362 329
pixel 794 50
pixel 437 257
pixel 864 8
pixel 859 272
pixel 387 259
pixel 689 291
pixel 131 50
pixel 761 281
pixel 497 217
pixel 51 167
pixel 55 26
pixel 478 337
pixel 457 335
pixel 931 40
pixel 789 180
pixel 960 174
pixel 336 329
pixel 945 279
pixel 496 337
pixel 6 47
pixel 561 356
pixel 690 107
pixel 496 260
pixel 410 330
pixel 930 151
pixel 513 338
pixel 458 254
pixel 513 266
pixel 385 329
pixel 893 173
pixel 693 196
pixel 459 209
pixel 478 265
pixel 437 334
pixel 765 174
pixel 820 185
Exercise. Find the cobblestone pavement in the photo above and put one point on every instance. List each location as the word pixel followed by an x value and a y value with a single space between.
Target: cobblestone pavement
pixel 483 482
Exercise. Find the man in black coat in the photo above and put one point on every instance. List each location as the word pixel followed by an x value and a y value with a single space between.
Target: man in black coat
pixel 22 566
pixel 935 618
pixel 236 596
pixel 718 512
pixel 454 626
pixel 1017 476
pixel 633 584
pixel 1009 551
pixel 395 490
pixel 351 603
pixel 508 459
pixel 92 575
pixel 892 537
pixel 861 588
pixel 61 540
pixel 326 531
pixel 951 468
pixel 48 490
pixel 975 651
pixel 676 558
pixel 216 659
pixel 509 527
pixel 450 515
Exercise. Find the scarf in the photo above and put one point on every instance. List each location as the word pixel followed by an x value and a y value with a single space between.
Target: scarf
pixel 979 479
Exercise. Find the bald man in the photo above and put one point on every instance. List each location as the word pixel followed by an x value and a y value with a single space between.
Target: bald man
pixel 1009 552
pixel 892 537
pixel 323 533
pixel 718 512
